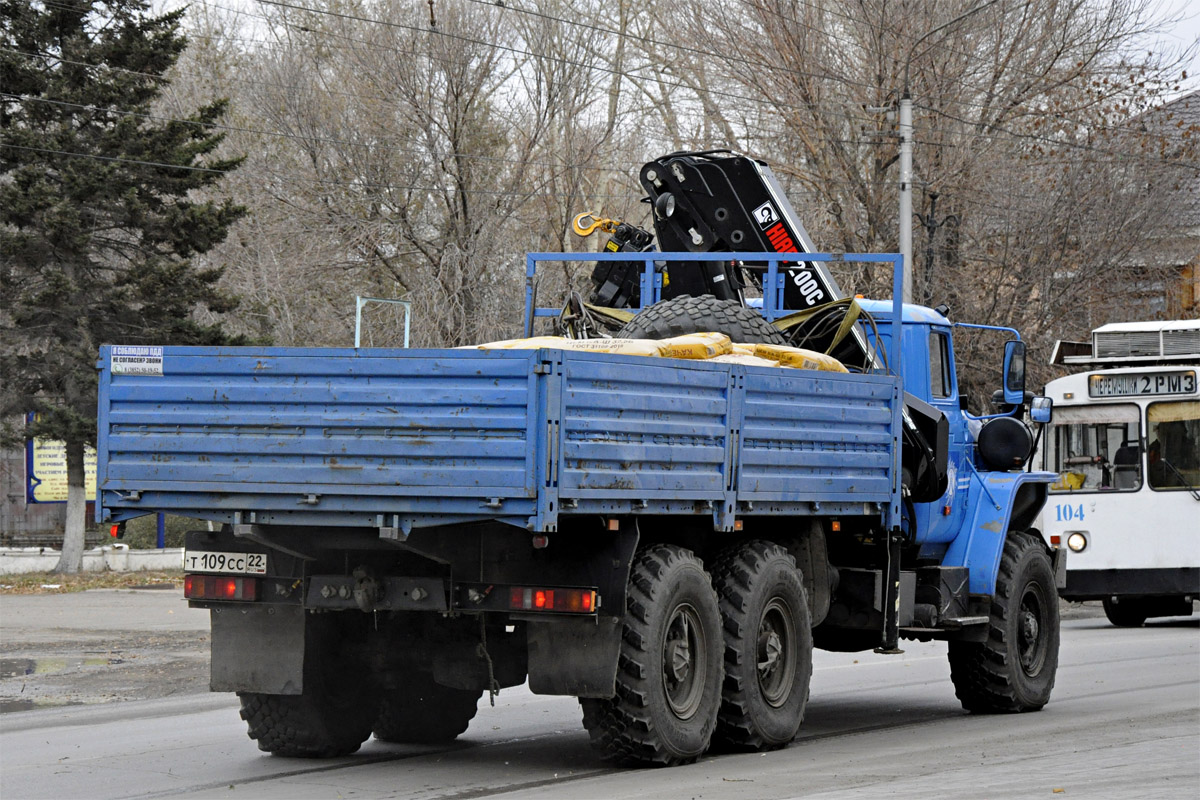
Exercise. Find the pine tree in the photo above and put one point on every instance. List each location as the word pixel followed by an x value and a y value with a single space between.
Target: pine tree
pixel 102 210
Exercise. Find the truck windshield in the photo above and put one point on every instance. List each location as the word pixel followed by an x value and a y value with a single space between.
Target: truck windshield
pixel 1173 456
pixel 1095 449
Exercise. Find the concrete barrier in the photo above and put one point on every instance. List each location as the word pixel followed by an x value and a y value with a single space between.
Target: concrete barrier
pixel 112 557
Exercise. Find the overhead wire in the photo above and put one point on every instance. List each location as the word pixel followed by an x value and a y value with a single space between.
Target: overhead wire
pixel 282 4
pixel 840 108
pixel 514 50
pixel 899 32
pixel 860 142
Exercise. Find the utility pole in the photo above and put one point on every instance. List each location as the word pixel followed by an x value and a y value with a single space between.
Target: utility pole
pixel 906 211
pixel 906 131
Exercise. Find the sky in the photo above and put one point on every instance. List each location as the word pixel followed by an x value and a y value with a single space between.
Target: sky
pixel 1184 32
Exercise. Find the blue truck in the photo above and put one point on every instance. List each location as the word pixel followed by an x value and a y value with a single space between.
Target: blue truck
pixel 396 532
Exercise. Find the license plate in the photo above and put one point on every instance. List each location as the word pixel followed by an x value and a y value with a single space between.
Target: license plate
pixel 233 563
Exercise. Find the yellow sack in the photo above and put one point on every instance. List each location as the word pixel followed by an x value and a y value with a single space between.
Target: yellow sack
pixel 799 358
pixel 746 360
pixel 697 345
pixel 1069 481
pixel 740 349
pixel 629 347
pixel 531 343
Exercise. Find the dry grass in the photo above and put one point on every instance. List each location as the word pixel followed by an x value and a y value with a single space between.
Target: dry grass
pixel 57 583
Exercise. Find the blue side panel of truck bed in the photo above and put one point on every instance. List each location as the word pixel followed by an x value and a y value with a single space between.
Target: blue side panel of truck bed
pixel 634 425
pixel 818 436
pixel 409 438
pixel 350 433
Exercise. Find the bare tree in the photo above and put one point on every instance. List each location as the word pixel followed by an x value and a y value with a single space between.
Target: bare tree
pixel 1019 107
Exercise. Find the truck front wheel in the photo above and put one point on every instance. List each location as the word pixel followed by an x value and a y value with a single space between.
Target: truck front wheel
pixel 424 711
pixel 768 646
pixel 669 668
pixel 1013 670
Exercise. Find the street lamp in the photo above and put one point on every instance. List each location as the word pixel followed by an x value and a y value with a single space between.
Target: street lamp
pixel 906 212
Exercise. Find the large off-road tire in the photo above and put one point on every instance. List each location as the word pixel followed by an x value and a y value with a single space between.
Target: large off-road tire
pixel 1013 670
pixel 669 669
pixel 1128 612
pixel 768 646
pixel 687 314
pixel 423 711
pixel 334 715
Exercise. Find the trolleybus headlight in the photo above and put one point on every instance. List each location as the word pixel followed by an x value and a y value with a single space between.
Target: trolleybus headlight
pixel 1077 542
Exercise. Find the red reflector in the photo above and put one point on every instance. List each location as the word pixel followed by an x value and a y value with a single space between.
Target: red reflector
pixel 115 531
pixel 213 587
pixel 1056 541
pixel 578 601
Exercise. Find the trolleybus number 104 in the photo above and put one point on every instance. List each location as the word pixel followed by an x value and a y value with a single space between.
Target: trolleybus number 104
pixel 1142 383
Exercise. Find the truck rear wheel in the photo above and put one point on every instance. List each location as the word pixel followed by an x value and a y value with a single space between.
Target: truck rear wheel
pixel 669 669
pixel 687 314
pixel 768 646
pixel 333 716
pixel 1013 670
pixel 424 711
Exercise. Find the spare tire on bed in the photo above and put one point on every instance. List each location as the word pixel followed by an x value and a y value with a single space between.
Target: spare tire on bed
pixel 687 314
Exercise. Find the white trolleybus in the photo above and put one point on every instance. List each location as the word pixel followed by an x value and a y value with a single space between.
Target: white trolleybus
pixel 1125 441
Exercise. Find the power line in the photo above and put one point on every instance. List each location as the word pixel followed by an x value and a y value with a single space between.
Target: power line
pixel 513 50
pixel 116 159
pixel 531 54
pixel 1059 142
pixel 353 184
pixel 657 42
pixel 944 45
pixel 298 137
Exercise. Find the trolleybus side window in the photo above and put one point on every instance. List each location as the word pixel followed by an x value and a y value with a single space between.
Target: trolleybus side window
pixel 1095 448
pixel 1173 454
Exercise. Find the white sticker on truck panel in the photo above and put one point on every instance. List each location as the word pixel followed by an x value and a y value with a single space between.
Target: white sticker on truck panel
pixel 137 360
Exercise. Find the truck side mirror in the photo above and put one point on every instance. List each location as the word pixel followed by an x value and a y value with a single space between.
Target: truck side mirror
pixel 1014 373
pixel 1041 409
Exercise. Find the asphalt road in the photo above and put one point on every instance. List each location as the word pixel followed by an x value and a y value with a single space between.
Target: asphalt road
pixel 98 647
pixel 1124 722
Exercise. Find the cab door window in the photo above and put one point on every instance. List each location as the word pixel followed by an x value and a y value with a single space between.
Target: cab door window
pixel 940 384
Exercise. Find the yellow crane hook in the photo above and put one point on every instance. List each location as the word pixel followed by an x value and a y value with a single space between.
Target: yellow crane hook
pixel 588 222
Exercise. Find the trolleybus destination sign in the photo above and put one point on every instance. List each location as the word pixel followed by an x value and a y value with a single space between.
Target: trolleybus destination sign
pixel 1142 383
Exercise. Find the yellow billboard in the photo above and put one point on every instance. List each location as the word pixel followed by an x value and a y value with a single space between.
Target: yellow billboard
pixel 46 470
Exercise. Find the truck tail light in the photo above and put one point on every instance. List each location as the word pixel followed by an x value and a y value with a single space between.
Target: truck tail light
pixel 219 587
pixel 570 601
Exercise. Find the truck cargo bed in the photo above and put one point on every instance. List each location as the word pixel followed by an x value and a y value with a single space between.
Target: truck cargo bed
pixel 411 438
